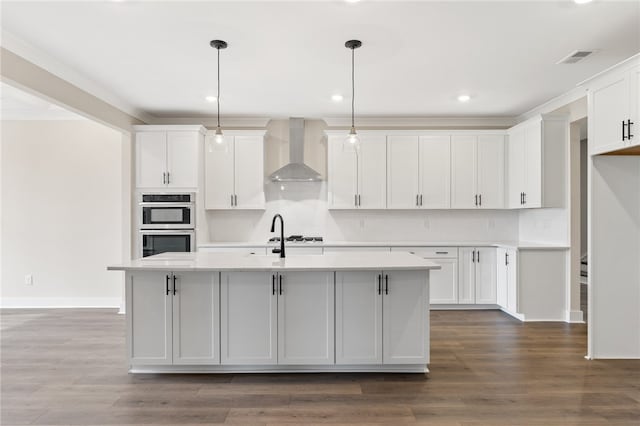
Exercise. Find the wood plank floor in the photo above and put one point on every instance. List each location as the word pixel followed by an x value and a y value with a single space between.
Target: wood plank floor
pixel 68 367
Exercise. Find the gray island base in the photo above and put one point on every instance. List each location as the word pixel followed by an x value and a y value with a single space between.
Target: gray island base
pixel 234 313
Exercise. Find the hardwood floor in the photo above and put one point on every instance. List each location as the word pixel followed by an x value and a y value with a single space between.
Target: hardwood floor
pixel 69 367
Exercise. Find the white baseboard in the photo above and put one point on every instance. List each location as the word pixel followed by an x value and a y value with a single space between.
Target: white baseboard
pixel 60 302
pixel 574 317
pixel 513 314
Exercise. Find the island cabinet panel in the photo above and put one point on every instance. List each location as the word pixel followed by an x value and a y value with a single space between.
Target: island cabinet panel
pixel 149 318
pixel 196 318
pixel 405 324
pixel 249 318
pixel 359 317
pixel 306 318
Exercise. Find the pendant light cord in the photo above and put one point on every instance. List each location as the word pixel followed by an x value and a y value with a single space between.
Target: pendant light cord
pixel 218 97
pixel 353 90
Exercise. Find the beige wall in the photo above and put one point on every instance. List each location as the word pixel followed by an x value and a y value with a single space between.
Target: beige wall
pixel 61 213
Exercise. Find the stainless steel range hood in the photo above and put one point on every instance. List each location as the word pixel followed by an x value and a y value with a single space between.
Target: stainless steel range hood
pixel 296 170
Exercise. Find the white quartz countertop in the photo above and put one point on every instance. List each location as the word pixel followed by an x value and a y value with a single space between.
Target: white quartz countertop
pixel 202 261
pixel 522 245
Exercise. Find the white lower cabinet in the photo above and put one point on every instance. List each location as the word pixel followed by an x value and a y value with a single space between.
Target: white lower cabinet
pixel 306 318
pixel 507 278
pixel 249 318
pixel 173 318
pixel 382 317
pixel 477 276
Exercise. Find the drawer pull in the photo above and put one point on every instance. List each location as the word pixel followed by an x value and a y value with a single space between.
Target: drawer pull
pixel 442 252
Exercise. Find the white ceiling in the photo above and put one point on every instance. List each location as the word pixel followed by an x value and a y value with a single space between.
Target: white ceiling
pixel 16 104
pixel 288 58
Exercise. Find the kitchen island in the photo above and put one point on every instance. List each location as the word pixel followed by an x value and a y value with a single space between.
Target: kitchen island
pixel 225 312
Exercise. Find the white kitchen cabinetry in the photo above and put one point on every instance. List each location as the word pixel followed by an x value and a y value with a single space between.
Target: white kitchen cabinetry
pixel 382 317
pixel 477 171
pixel 168 156
pixel 536 154
pixel 443 283
pixel 418 170
pixel 477 276
pixel 507 279
pixel 614 104
pixel 176 318
pixel 234 172
pixel 249 318
pixel 306 318
pixel 357 175
pixel 359 317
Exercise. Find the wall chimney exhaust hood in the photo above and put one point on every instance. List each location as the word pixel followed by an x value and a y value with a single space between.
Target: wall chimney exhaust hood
pixel 296 170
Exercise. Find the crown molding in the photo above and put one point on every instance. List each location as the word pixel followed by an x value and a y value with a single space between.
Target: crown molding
pixel 387 122
pixel 210 122
pixel 554 104
pixel 59 69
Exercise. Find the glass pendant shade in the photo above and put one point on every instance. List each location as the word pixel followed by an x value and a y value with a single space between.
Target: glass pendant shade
pixel 219 137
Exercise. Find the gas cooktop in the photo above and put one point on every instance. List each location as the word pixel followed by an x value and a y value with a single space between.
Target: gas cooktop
pixel 297 239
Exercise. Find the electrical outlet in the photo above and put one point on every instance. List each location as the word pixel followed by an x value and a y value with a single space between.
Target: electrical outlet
pixel 28 279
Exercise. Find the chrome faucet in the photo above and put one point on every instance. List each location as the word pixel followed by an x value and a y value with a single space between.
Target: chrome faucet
pixel 273 228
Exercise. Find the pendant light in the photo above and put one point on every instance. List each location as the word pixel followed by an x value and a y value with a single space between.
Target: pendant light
pixel 353 138
pixel 218 44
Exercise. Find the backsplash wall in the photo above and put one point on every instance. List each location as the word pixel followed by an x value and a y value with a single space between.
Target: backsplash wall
pixel 304 208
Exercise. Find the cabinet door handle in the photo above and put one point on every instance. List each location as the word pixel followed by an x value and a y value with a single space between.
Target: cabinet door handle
pixel 355 200
pixel 174 285
pixel 280 279
pixel 624 137
pixel 442 252
pixel 386 284
pixel 273 284
pixel 359 200
pixel 629 135
pixel 480 199
pixel 168 178
pixel 380 284
pixel 476 199
pixel 420 200
pixel 235 199
pixel 167 284
pixel 478 256
pixel 473 257
pixel 506 258
pixel 417 200
pixel 524 198
pixel 164 178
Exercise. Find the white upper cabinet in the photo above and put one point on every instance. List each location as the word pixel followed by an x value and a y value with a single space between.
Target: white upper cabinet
pixel 168 156
pixel 234 172
pixel 357 175
pixel 403 172
pixel 477 171
pixel 435 171
pixel 536 153
pixel 419 173
pixel 613 111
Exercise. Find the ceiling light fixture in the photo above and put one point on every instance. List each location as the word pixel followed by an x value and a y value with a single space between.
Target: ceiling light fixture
pixel 352 1
pixel 353 136
pixel 582 1
pixel 218 44
pixel 337 98
pixel 464 98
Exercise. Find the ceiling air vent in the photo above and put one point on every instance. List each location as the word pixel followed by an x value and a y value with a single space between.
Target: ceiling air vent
pixel 575 56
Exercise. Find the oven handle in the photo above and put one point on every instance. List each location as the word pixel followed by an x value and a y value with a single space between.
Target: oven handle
pixel 167 231
pixel 177 205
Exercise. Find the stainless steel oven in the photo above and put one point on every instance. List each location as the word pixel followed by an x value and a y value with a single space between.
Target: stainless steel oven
pixel 167 211
pixel 156 241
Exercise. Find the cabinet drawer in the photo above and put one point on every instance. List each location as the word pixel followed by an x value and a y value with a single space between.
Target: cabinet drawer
pixel 430 252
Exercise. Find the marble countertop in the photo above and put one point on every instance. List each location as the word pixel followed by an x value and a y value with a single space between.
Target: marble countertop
pixel 522 245
pixel 202 261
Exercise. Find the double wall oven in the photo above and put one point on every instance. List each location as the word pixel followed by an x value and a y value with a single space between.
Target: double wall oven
pixel 166 222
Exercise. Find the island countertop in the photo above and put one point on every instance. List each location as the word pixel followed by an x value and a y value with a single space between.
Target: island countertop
pixel 202 261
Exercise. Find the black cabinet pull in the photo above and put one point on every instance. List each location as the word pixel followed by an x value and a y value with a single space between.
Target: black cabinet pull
pixel 442 252
pixel 480 198
pixel 476 199
pixel 624 137
pixel 420 200
pixel 167 282
pixel 473 257
pixel 231 200
pixel 386 284
pixel 629 135
pixel 355 200
pixel 168 177
pixel 478 256
pixel 359 200
pixel 506 258
pixel 524 198
pixel 417 200
pixel 273 285
pixel 280 279
pixel 174 285
pixel 380 284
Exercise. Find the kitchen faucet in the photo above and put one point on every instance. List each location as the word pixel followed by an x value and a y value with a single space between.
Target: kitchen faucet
pixel 273 228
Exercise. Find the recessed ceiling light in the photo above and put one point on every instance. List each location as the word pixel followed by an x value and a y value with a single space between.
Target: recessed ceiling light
pixel 582 1
pixel 464 98
pixel 337 98
pixel 211 99
pixel 352 1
